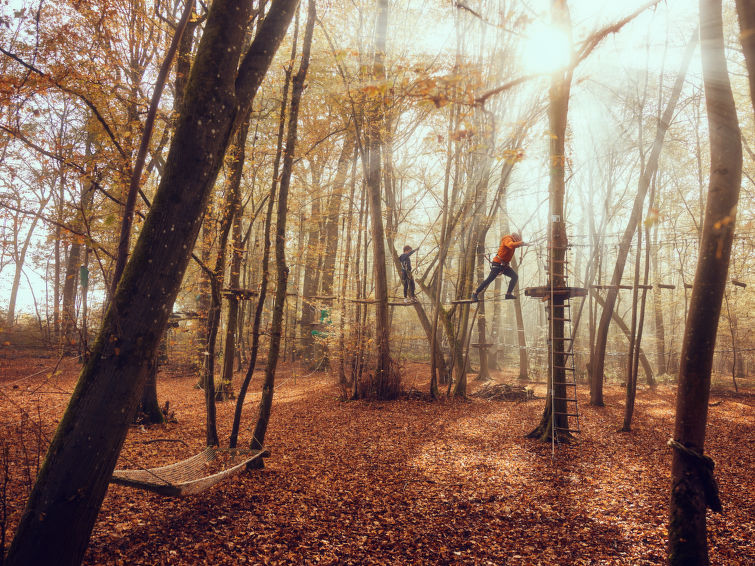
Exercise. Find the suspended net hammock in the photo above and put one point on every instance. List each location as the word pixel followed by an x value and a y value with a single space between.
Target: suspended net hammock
pixel 192 475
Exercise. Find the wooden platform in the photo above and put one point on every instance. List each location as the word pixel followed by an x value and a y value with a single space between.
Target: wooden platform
pixel 241 294
pixel 559 292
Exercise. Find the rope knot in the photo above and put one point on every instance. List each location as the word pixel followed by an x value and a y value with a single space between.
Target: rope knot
pixel 704 466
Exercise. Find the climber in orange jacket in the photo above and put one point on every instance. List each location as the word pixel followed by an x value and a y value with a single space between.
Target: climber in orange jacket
pixel 500 265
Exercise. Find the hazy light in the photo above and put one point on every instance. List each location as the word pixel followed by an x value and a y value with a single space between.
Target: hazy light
pixel 545 49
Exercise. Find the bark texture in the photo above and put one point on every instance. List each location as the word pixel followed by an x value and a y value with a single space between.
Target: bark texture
pixel 692 483
pixel 72 482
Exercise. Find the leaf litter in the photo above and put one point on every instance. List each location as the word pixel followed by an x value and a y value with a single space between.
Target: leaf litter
pixel 403 482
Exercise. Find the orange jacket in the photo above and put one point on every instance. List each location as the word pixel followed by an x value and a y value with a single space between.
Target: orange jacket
pixel 506 251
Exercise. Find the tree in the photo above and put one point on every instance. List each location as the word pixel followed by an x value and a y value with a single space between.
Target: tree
pixel 554 414
pixel 692 484
pixel 746 13
pixel 276 326
pixel 71 484
pixel 385 382
pixel 598 357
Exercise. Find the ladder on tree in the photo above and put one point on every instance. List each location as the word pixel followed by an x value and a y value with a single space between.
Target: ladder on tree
pixel 564 404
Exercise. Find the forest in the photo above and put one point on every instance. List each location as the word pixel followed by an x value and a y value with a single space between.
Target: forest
pixel 377 282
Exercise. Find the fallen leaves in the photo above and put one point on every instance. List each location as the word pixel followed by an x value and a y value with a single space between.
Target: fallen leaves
pixel 413 481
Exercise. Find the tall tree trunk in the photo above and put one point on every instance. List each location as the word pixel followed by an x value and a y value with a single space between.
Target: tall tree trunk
pixel 386 382
pixel 231 210
pixel 265 270
pixel 148 411
pixel 631 376
pixel 660 332
pixel 19 258
pixel 297 87
pixel 216 276
pixel 557 120
pixel 524 367
pixel 617 320
pixel 342 379
pixel 598 361
pixel 746 14
pixel 332 217
pixel 232 326
pixel 482 334
pixel 312 254
pixel 72 482
pixel 333 212
pixel 692 482
pixel 68 330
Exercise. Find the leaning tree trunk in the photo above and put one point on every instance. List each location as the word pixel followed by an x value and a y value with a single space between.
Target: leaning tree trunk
pixel 598 361
pixel 265 269
pixel 72 482
pixel 631 376
pixel 692 483
pixel 625 329
pixel 276 327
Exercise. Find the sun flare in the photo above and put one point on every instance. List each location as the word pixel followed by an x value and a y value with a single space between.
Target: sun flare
pixel 546 49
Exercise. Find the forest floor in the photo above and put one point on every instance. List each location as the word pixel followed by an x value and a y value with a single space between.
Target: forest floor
pixel 403 482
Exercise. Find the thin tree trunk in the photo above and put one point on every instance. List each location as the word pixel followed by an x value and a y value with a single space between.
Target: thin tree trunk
pixel 232 326
pixel 19 260
pixel 136 176
pixel 631 377
pixel 598 361
pixel 233 438
pixel 68 334
pixel 524 367
pixel 231 211
pixel 312 254
pixel 297 87
pixel 660 332
pixel 746 14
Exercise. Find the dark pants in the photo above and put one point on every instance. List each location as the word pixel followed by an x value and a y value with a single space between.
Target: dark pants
pixel 495 270
pixel 408 281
